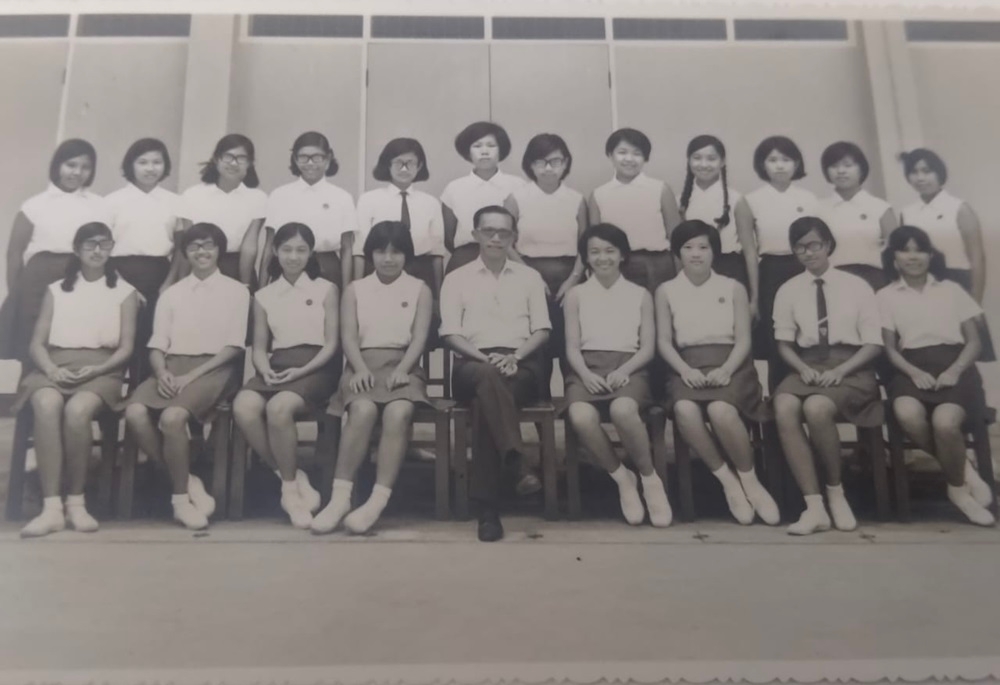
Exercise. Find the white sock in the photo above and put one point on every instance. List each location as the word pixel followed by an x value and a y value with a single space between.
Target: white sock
pixel 978 487
pixel 843 517
pixel 364 517
pixel 79 518
pixel 199 496
pixel 976 513
pixel 292 504
pixel 735 497
pixel 310 495
pixel 340 503
pixel 813 519
pixel 51 520
pixel 660 513
pixel 187 513
pixel 628 495
pixel 759 498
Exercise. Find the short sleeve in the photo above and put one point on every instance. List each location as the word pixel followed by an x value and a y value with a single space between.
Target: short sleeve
pixel 964 306
pixel 451 306
pixel 163 318
pixel 274 210
pixel 258 204
pixel 30 208
pixel 122 290
pixel 436 230
pixel 886 310
pixel 448 196
pixel 236 327
pixel 869 319
pixel 364 218
pixel 783 315
pixel 538 308
pixel 187 204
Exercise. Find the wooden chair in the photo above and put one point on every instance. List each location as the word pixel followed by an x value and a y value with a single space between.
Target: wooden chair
pixel 655 420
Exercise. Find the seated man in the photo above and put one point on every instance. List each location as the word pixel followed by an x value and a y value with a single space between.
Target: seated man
pixel 495 317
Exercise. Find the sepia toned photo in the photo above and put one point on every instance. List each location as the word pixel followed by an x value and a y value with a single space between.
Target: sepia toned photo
pixel 494 341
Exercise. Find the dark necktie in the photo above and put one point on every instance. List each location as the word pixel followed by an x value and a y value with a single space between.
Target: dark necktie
pixel 823 319
pixel 404 213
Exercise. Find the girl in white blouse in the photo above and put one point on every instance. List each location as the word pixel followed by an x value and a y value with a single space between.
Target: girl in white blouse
pixel 766 213
pixel 483 144
pixel 931 338
pixel 860 221
pixel 229 198
pixel 707 197
pixel 402 163
pixel 327 209
pixel 41 240
pixel 703 332
pixel 295 316
pixel 80 346
pixel 386 318
pixel 610 341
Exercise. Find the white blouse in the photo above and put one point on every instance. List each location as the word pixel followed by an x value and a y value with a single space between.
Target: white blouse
pixel 295 312
pixel 547 223
pixel 702 314
pixel 855 223
pixel 852 310
pixel 468 194
pixel 56 215
pixel 386 204
pixel 326 209
pixel 610 318
pixel 201 316
pixel 774 212
pixel 707 205
pixel 939 218
pixel 143 223
pixel 386 311
pixel 635 208
pixel 232 212
pixel 905 311
pixel 89 316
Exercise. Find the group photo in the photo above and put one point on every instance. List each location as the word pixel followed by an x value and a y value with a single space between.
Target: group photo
pixel 344 275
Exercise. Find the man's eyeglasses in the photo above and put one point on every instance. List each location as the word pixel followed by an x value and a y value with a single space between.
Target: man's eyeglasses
pixel 811 247
pixel 105 245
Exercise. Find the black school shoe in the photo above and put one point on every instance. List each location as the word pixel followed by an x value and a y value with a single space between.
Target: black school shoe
pixel 490 528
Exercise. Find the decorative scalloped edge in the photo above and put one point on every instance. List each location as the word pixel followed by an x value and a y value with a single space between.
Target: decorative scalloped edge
pixel 986 669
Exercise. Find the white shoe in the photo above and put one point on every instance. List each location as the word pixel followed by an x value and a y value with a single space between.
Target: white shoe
pixel 310 495
pixel 973 511
pixel 297 511
pixel 80 520
pixel 840 510
pixel 657 504
pixel 189 516
pixel 51 520
pixel 762 502
pixel 739 505
pixel 327 520
pixel 811 521
pixel 978 487
pixel 200 498
pixel 631 503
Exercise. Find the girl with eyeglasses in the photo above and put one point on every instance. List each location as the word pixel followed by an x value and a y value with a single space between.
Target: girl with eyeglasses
pixel 80 346
pixel 828 331
pixel 41 240
pixel 311 199
pixel 227 197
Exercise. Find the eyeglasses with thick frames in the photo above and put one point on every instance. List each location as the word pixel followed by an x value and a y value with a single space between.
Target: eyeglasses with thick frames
pixel 318 158
pixel 235 159
pixel 555 163
pixel 105 245
pixel 199 245
pixel 810 247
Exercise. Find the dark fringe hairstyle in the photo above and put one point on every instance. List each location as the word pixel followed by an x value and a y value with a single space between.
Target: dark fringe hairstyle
pixel 898 241
pixel 282 236
pixel 86 232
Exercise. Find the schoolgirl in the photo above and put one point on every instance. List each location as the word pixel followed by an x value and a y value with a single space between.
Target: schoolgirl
pixel 80 345
pixel 311 199
pixel 402 163
pixel 707 197
pixel 645 208
pixel 386 318
pixel 936 386
pixel 295 317
pixel 41 240
pixel 199 331
pixel 703 333
pixel 610 340
pixel 859 221
pixel 483 144
pixel 227 197
pixel 828 331
pixel 766 213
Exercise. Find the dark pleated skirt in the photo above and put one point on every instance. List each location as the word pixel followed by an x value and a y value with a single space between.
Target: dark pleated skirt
pixel 145 274
pixel 603 362
pixel 874 276
pixel 381 362
pixel 774 271
pixel 857 397
pixel 964 278
pixel 315 389
pixel 24 302
pixel 108 387
pixel 421 267
pixel 200 396
pixel 554 271
pixel 743 392
pixel 732 265
pixel 649 268
pixel 462 255
pixel 935 360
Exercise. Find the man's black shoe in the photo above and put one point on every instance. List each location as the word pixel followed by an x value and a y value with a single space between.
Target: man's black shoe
pixel 490 528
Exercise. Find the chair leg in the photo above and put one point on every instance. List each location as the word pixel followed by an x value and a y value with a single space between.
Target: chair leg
pixel 461 463
pixel 23 425
pixel 573 504
pixel 442 466
pixel 683 454
pixel 238 474
pixel 109 455
pixel 875 447
pixel 657 422
pixel 446 372
pixel 984 457
pixel 547 433
pixel 901 479
pixel 221 427
pixel 126 476
pixel 326 453
pixel 774 465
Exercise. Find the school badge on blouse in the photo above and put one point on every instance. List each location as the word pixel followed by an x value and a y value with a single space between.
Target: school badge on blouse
pixel 722 300
pixel 326 205
pixel 309 302
pixel 864 216
pixel 799 210
pixel 405 305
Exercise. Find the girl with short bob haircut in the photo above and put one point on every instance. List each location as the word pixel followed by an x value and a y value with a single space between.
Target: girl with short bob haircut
pixel 80 346
pixel 294 316
pixel 704 335
pixel 936 388
pixel 610 341
pixel 707 197
pixel 311 199
pixel 41 240
pixel 828 331
pixel 644 207
pixel 199 332
pixel 860 221
pixel 386 318
pixel 484 144
pixel 227 197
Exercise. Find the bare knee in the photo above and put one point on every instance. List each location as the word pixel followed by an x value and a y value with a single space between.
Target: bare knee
pixel 686 410
pixel 362 411
pixel 281 410
pixel 248 407
pixel 624 410
pixel 398 414
pixel 583 415
pixel 722 412
pixel 948 420
pixel 47 402
pixel 174 420
pixel 909 411
pixel 787 409
pixel 79 411
pixel 819 409
pixel 136 414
